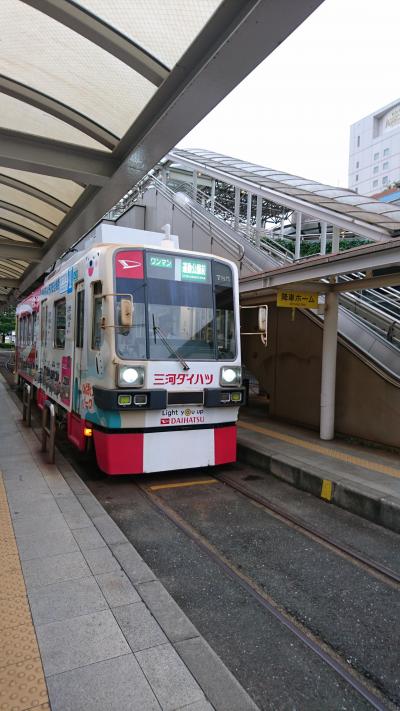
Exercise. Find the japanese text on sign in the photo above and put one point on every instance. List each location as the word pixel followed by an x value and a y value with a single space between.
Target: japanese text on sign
pixel 194 270
pixel 163 262
pixel 181 378
pixel 297 299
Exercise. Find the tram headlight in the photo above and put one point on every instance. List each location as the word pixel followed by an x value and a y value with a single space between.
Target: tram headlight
pixel 129 376
pixel 230 375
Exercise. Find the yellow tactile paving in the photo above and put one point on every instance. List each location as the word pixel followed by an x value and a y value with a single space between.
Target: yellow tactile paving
pixel 12 610
pixel 319 449
pixel 18 644
pixel 9 562
pixel 22 682
pixel 11 584
pixel 22 686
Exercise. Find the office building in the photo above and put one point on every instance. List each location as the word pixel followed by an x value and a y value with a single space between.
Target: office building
pixel 374 161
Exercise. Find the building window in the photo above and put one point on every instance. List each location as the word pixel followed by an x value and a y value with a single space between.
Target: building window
pixel 59 317
pixel 375 184
pixel 386 152
pixel 385 180
pixel 358 141
pixel 376 169
pixel 376 156
pixel 358 164
pixel 356 178
pixel 386 165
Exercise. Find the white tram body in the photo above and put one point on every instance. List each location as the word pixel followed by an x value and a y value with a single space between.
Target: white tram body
pixel 138 345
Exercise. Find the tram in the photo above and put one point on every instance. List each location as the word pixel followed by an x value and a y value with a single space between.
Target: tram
pixel 137 345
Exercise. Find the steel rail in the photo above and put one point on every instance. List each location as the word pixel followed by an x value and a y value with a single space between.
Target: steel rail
pixel 351 677
pixel 390 575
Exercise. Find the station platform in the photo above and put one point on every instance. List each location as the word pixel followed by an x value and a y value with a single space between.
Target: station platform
pixel 363 480
pixel 85 624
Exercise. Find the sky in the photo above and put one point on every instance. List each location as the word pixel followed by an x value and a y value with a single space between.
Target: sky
pixel 294 111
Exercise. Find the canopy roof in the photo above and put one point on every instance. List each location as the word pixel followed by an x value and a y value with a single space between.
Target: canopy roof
pixel 367 216
pixel 94 92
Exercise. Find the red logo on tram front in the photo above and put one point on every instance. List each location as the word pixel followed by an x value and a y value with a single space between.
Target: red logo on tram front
pixel 129 264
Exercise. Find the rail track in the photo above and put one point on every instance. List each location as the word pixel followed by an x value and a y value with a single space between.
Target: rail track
pixel 372 566
pixel 347 673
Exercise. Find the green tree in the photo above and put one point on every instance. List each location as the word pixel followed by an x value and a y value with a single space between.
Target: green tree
pixel 7 323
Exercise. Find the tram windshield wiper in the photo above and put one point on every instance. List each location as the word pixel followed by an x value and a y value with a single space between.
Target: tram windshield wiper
pixel 157 330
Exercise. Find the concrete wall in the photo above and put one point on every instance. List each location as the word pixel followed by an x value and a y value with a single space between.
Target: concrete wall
pixel 160 211
pixel 289 370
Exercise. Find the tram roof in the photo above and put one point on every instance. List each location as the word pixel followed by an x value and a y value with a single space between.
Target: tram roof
pixel 94 93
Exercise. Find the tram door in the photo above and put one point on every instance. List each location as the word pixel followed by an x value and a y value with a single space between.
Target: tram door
pixel 78 345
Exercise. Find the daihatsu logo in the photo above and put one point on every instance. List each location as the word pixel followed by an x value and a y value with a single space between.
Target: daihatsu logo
pixel 129 263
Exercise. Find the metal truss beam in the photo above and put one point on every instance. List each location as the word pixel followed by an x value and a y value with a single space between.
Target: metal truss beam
pixel 29 215
pixel 19 251
pixel 34 192
pixel 240 34
pixel 21 231
pixel 58 158
pixel 108 38
pixel 51 106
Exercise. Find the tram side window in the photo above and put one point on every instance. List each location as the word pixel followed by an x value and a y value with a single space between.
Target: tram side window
pixel 59 319
pixel 43 324
pixel 29 330
pixel 97 333
pixel 225 313
pixel 80 296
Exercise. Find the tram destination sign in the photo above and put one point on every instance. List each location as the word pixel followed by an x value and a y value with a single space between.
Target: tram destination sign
pixel 193 270
pixel 297 299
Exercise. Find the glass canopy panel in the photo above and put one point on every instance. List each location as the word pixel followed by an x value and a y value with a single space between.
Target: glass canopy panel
pixel 380 220
pixel 64 190
pixel 336 207
pixel 354 200
pixel 27 202
pixel 19 116
pixel 24 222
pixel 333 193
pixel 180 22
pixel 380 208
pixel 70 69
pixel 8 268
pixel 395 215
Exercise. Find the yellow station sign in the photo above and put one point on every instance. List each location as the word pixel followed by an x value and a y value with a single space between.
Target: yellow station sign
pixel 297 299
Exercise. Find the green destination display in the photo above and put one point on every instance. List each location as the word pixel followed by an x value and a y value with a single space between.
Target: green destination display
pixel 158 261
pixel 193 270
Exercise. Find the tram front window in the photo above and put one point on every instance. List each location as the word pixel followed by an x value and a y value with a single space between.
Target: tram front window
pixel 190 310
